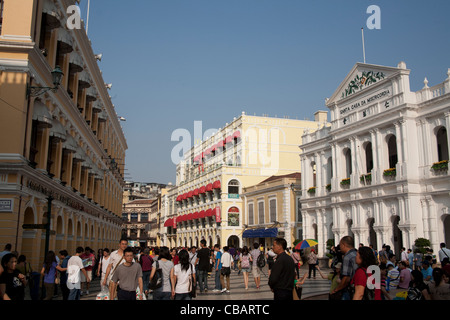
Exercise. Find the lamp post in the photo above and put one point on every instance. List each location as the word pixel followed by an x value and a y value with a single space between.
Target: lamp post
pixel 57 75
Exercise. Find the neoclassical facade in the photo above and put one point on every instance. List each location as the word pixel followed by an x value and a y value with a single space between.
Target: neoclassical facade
pixel 62 150
pixel 380 172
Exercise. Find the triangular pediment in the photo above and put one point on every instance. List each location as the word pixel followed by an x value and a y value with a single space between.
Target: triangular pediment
pixel 361 77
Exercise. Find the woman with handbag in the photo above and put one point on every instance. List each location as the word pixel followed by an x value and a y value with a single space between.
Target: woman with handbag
pixel 182 278
pixel 50 275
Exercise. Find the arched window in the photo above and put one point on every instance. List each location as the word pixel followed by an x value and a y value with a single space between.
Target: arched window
pixel 369 157
pixel 442 144
pixel 348 162
pixel 233 187
pixel 392 151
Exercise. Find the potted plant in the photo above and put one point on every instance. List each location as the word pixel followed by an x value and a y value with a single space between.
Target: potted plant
pixel 328 187
pixel 441 165
pixel 391 172
pixel 345 182
pixel 312 190
pixel 366 178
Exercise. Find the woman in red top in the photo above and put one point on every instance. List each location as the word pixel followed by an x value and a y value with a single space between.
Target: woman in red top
pixel 364 259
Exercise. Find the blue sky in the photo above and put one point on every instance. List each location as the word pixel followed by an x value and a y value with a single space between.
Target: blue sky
pixel 173 62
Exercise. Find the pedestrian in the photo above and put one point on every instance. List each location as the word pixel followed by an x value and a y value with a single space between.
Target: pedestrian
pixel 217 268
pixel 74 269
pixel 297 259
pixel 164 263
pixel 364 259
pixel 7 250
pixel 404 279
pixel 255 269
pixel 418 260
pixel 12 282
pixel 312 262
pixel 392 279
pixel 116 258
pixel 245 260
pixel 129 274
pixel 146 264
pixel 383 255
pixel 225 272
pixel 174 255
pixel 349 266
pixel 281 280
pixel 49 273
pixel 25 268
pixel 439 287
pixel 443 253
pixel 193 258
pixel 403 255
pixel 410 259
pixel 88 259
pixel 270 256
pixel 203 263
pixel 62 268
pixel 383 274
pixel 103 266
pixel 427 272
pixel 182 277
pixel 418 290
pixel 334 277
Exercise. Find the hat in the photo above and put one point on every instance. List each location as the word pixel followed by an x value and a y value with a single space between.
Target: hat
pixel 338 265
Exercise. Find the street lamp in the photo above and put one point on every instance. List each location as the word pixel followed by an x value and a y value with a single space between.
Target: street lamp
pixel 57 75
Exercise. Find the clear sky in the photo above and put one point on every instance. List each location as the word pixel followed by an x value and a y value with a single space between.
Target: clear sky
pixel 173 62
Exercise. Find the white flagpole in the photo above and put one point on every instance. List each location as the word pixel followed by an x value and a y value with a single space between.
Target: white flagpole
pixel 87 21
pixel 364 50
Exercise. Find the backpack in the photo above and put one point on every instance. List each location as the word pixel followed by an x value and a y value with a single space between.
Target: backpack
pixel 414 294
pixel 245 261
pixel 261 262
pixel 156 281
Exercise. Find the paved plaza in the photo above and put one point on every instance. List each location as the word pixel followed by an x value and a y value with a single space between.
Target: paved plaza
pixel 313 289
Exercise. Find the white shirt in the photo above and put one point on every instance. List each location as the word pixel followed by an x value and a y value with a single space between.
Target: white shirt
pixel 404 256
pixel 182 285
pixel 443 252
pixel 74 266
pixel 226 259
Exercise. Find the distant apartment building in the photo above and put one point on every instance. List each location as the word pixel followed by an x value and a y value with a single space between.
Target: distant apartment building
pixel 207 201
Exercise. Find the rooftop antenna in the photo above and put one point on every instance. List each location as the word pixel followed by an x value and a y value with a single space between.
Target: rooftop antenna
pixel 364 50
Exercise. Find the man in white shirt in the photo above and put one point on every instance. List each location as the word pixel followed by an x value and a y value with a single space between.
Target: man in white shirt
pixel 444 252
pixel 404 255
pixel 225 272
pixel 115 258
pixel 74 268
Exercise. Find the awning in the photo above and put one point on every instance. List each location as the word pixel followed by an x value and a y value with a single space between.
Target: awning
pixel 216 184
pixel 220 144
pixel 65 41
pixel 58 130
pixel 70 144
pixel 260 233
pixel 84 81
pixel 236 134
pixel 229 139
pixel 209 213
pixel 168 223
pixel 76 62
pixel 202 189
pixel 179 198
pixel 189 216
pixel 190 194
pixel 52 16
pixel 202 214
pixel 41 114
pixel 196 215
pixel 209 187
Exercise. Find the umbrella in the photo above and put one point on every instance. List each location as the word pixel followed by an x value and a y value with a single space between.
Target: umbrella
pixel 307 243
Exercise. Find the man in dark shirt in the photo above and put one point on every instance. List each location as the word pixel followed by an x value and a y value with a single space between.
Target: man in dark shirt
pixel 282 276
pixel 203 256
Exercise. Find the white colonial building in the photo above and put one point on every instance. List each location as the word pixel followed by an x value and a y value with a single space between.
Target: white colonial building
pixel 380 172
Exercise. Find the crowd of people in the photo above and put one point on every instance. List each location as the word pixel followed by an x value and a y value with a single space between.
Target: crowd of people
pixel 128 273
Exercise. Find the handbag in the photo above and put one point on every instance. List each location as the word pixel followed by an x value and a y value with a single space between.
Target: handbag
pixel 192 285
pixel 156 281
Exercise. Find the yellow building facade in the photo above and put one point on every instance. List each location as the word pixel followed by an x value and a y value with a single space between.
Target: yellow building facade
pixel 207 202
pixel 61 151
